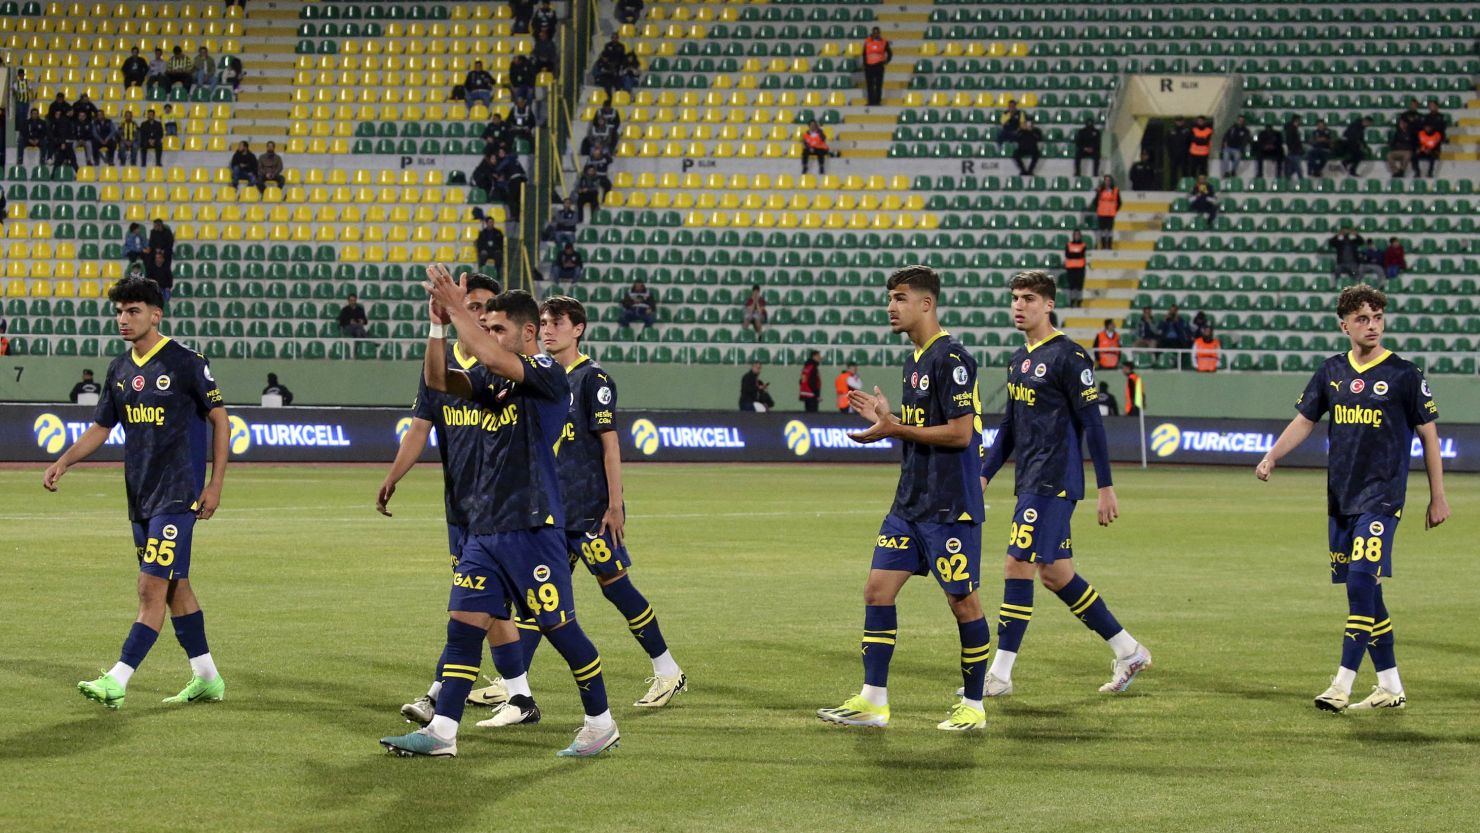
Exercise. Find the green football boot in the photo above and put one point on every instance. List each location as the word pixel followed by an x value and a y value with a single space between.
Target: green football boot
pixel 104 689
pixel 201 691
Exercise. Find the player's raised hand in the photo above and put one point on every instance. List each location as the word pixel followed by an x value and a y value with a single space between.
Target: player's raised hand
pixel 1438 512
pixel 615 522
pixel 1108 506
pixel 383 497
pixel 54 473
pixel 874 406
pixel 436 314
pixel 1264 469
pixel 210 498
pixel 443 290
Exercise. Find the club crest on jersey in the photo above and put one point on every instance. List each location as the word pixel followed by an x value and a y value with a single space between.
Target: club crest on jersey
pixel 1376 528
pixel 207 371
pixel 163 383
pixel 169 532
pixel 604 395
pixel 959 375
pixel 138 383
pixel 925 382
pixel 1087 376
pixel 591 536
pixel 1358 386
pixel 953 545
pixel 1424 386
pixel 1027 363
pixel 543 360
pixel 542 573
pixel 1030 514
pixel 1380 388
pixel 1041 370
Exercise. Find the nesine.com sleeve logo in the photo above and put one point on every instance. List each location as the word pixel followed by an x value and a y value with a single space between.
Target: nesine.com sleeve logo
pixel 241 436
pixel 645 436
pixel 799 437
pixel 1166 438
pixel 51 433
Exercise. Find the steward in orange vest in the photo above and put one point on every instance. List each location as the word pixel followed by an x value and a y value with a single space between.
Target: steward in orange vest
pixel 847 381
pixel 1074 262
pixel 1107 346
pixel 814 143
pixel 876 53
pixel 1200 147
pixel 1205 352
pixel 1107 205
pixel 1135 394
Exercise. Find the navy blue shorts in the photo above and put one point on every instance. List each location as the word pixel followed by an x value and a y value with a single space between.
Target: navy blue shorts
pixel 455 537
pixel 1361 543
pixel 1040 529
pixel 952 552
pixel 163 545
pixel 525 572
pixel 601 554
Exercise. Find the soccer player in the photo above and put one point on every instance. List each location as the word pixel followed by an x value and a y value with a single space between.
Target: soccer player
pixel 1377 402
pixel 458 442
pixel 590 465
pixel 164 394
pixel 934 525
pixel 513 555
pixel 1052 407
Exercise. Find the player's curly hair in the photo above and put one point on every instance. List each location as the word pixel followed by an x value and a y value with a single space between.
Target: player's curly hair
pixel 918 277
pixel 136 290
pixel 1036 281
pixel 564 306
pixel 1353 297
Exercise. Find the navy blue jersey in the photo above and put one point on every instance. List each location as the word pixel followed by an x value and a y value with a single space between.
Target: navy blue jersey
pixel 517 486
pixel 1048 384
pixel 939 485
pixel 162 401
pixel 582 464
pixel 459 428
pixel 1374 410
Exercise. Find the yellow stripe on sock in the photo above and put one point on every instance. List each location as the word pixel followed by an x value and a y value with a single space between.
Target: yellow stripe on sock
pixel 588 667
pixel 648 612
pixel 1083 604
pixel 1382 631
pixel 1023 608
pixel 1026 617
pixel 1355 618
pixel 1358 626
pixel 1088 591
pixel 461 676
pixel 882 640
pixel 978 649
pixel 581 678
pixel 1383 623
pixel 895 631
pixel 473 668
pixel 526 626
pixel 965 660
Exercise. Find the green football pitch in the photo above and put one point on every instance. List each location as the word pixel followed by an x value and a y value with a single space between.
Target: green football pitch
pixel 324 617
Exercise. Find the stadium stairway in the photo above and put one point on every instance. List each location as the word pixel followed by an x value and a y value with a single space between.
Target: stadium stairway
pixel 264 111
pixel 1113 277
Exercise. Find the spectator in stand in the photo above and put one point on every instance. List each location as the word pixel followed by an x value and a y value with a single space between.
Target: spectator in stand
pixel 4 129
pixel 521 11
pixel 105 139
pixel 613 52
pixel 1322 141
pixel 809 386
pixel 161 239
pixel 496 134
pixel 1269 146
pixel 1148 332
pixel 522 119
pixel 1011 120
pixel 755 311
pixel 1346 244
pixel 588 191
pixel 1435 119
pixel 631 73
pixel 4 212
pixel 135 69
pixel 36 136
pixel 1074 264
pixel 1394 259
pixel 128 139
pixel 159 70
pixel 568 266
pixel 877 53
pixel 82 134
pixel 22 96
pixel 490 246
pixel 1107 346
pixel 482 176
pixel 58 107
pixel 601 161
pixel 814 145
pixel 1199 321
pixel 1235 141
pixel 133 243
pixel 1087 146
pixel 159 270
pixel 1354 144
pixel 352 319
pixel 755 396
pixel 86 386
pixel 508 182
pixel 478 86
pixel 521 78
pixel 243 166
pixel 545 20
pixel 278 389
pixel 845 383
pixel 171 120
pixel 601 133
pixel 1106 401
pixel 85 105
pixel 151 137
pixel 204 69
pixel 1175 333
pixel 1400 146
pixel 1179 142
pixel 639 305
pixel 566 221
pixel 65 154
pixel 1205 351
pixel 609 114
pixel 1107 204
pixel 1199 147
pixel 4 340
pixel 270 168
pixel 1029 141
pixel 628 11
pixel 544 55
pixel 232 71
pixel 1203 199
pixel 1143 176
pixel 1294 148
pixel 1430 142
pixel 182 69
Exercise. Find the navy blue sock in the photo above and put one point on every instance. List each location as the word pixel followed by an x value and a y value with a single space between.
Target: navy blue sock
pixel 1361 593
pixel 437 672
pixel 640 617
pixel 459 667
pixel 190 630
pixel 585 665
pixel 140 639
pixel 529 639
pixel 509 660
pixel 976 645
pixel 1380 647
pixel 1015 613
pixel 1084 601
pixel 880 628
